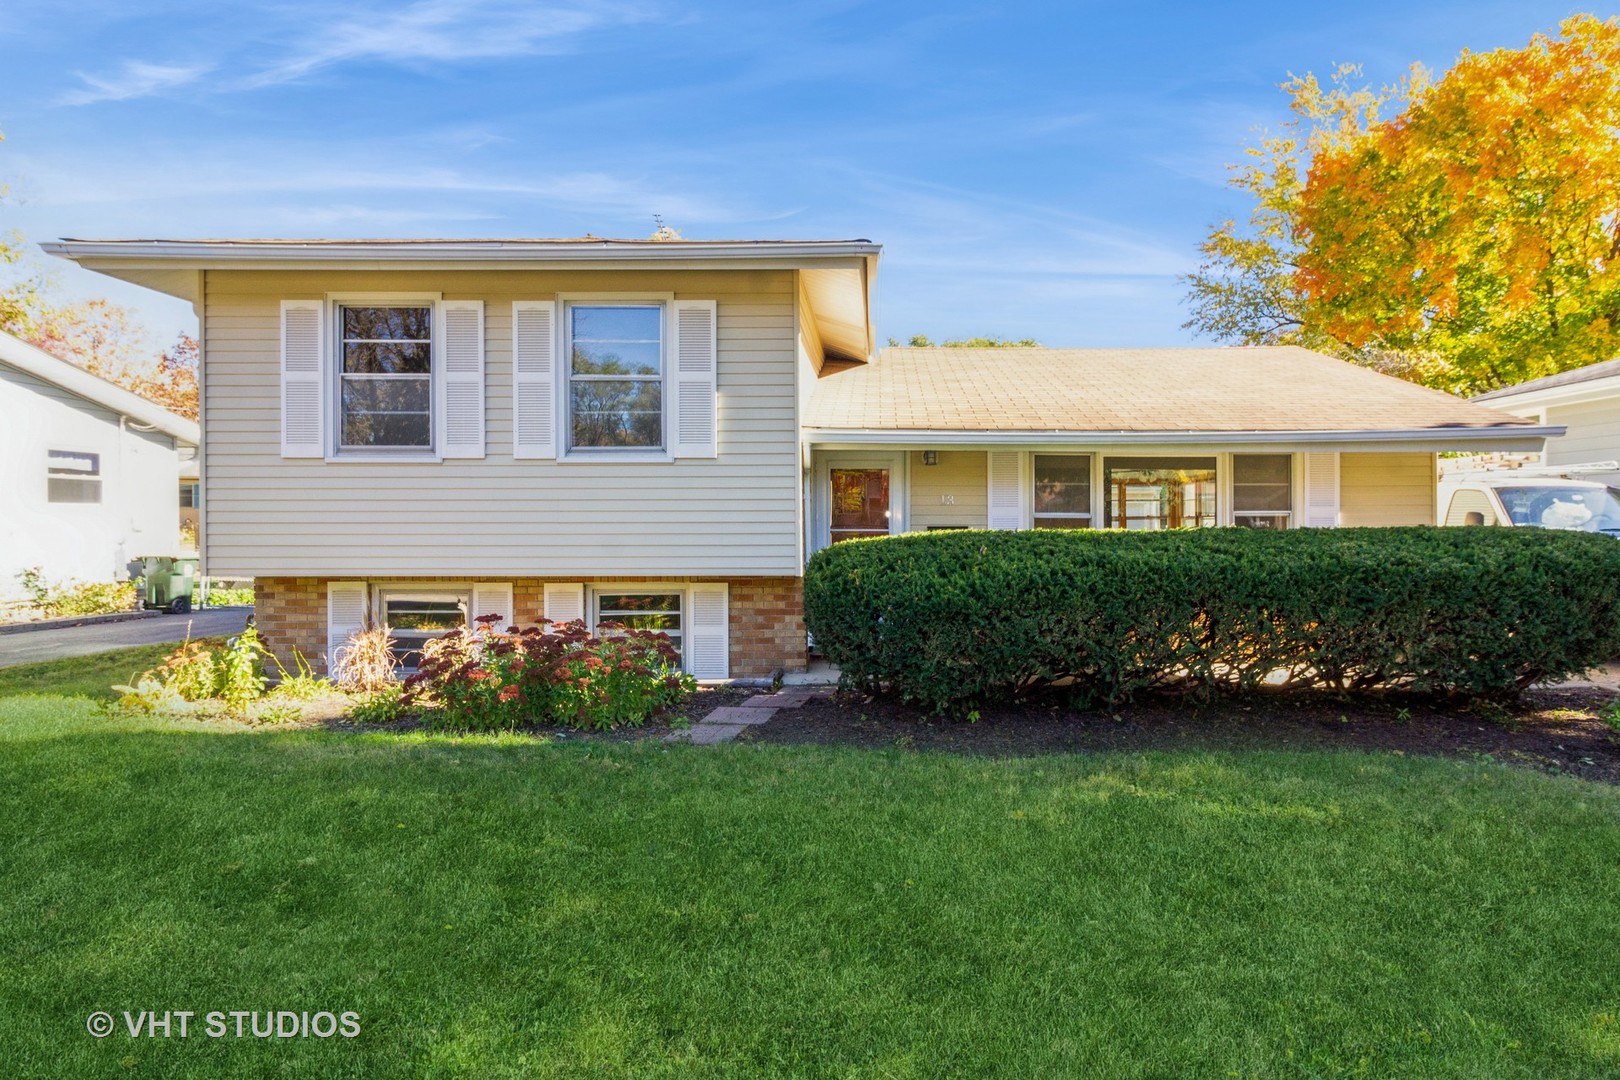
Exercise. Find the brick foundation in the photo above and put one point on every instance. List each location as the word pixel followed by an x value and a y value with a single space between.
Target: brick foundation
pixel 766 614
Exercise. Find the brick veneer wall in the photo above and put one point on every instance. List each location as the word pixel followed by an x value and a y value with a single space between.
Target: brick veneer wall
pixel 767 618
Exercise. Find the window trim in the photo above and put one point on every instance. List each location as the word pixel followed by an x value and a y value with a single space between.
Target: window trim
pixel 332 382
pixel 563 422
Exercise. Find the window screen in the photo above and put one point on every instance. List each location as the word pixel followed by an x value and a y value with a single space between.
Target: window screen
pixel 73 477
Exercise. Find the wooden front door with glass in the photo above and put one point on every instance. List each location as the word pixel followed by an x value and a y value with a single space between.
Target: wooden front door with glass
pixel 860 503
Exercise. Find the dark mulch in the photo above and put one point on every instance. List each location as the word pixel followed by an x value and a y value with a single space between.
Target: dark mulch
pixel 1555 730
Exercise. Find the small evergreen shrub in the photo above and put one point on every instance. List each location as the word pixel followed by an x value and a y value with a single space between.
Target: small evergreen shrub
pixel 944 619
pixel 485 679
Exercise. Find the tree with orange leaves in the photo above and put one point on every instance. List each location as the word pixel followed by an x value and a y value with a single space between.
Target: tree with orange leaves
pixel 1466 240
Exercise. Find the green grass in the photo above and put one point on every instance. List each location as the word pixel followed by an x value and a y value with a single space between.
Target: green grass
pixel 91 676
pixel 497 907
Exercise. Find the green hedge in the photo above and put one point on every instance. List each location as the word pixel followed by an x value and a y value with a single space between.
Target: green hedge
pixel 950 618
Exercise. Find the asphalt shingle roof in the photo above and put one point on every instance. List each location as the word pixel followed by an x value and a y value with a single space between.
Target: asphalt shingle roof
pixel 1588 373
pixel 1273 388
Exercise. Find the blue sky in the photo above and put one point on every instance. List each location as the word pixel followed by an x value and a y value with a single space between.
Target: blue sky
pixel 1041 170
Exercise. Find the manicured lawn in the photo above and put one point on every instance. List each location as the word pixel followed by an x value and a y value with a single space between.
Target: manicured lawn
pixel 509 907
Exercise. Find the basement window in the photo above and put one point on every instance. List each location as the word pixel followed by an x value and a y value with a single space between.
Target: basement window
pixel 656 611
pixel 415 618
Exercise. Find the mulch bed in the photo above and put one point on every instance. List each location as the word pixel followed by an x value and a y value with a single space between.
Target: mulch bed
pixel 1554 730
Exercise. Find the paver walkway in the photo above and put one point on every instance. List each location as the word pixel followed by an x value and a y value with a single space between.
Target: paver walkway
pixel 728 721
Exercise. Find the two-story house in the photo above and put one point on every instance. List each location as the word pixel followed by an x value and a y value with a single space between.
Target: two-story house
pixel 417 432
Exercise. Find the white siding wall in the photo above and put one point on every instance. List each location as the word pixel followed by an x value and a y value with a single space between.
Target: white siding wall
pixel 139 513
pixel 498 517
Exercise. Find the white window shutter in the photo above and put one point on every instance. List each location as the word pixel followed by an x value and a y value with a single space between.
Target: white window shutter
pixel 564 602
pixel 493 598
pixel 1006 494
pixel 303 376
pixel 534 379
pixel 708 632
pixel 692 386
pixel 459 331
pixel 1321 490
pixel 345 616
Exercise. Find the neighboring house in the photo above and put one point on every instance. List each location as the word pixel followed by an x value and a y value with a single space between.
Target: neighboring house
pixel 88 468
pixel 1585 401
pixel 661 432
pixel 190 498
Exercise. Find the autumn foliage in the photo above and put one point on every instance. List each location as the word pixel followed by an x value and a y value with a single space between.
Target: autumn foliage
pixel 106 340
pixel 1460 231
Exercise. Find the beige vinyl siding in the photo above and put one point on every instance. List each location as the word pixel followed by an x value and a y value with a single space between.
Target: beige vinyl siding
pixel 1593 435
pixel 737 514
pixel 1386 489
pixel 960 474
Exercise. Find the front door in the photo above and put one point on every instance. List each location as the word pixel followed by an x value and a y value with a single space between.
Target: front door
pixel 860 503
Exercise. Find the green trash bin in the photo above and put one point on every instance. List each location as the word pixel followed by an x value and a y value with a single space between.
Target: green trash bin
pixel 171 582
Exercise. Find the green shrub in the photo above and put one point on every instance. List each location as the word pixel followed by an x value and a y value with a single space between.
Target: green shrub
pixel 228 596
pixel 65 599
pixel 195 673
pixel 483 679
pixel 955 617
pixel 300 684
pixel 378 706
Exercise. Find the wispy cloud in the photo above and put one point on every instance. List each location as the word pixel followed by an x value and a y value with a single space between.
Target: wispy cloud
pixel 422 33
pixel 444 31
pixel 134 78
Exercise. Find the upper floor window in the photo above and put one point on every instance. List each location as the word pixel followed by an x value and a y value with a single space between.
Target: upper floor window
pixel 615 376
pixel 72 476
pixel 385 373
pixel 1062 491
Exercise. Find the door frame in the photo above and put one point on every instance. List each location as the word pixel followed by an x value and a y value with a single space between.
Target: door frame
pixel 899 499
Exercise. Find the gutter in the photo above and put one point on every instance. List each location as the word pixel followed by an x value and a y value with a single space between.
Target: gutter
pixel 826 437
pixel 433 252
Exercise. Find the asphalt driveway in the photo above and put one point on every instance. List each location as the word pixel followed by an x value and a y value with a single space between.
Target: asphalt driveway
pixel 27 646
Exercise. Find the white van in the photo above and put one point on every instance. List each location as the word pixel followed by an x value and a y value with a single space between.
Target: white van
pixel 1514 498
